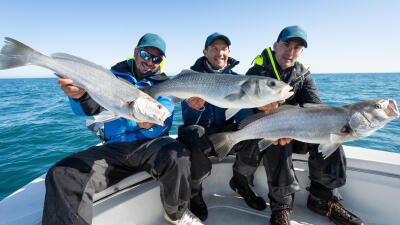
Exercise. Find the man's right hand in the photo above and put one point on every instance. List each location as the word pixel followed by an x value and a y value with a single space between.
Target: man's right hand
pixel 69 89
pixel 195 102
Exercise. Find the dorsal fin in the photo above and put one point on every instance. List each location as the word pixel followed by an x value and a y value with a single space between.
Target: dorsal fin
pixel 310 105
pixel 61 55
pixel 123 80
pixel 261 114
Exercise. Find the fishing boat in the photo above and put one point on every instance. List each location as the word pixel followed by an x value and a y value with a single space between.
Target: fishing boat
pixel 372 192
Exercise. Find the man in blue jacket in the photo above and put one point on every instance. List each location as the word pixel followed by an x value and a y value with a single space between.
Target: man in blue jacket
pixel 202 119
pixel 129 147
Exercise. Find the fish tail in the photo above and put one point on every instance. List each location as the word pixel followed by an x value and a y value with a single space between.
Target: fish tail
pixel 15 54
pixel 223 143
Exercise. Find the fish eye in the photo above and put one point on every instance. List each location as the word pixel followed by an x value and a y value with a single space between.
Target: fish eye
pixel 271 83
pixel 159 106
pixel 378 106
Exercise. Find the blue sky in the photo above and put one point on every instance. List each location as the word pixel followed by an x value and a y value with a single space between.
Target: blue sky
pixel 343 36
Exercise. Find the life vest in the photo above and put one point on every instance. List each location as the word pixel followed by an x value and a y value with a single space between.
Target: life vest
pixel 266 60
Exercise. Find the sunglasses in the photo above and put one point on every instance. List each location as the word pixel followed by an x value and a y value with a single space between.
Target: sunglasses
pixel 146 56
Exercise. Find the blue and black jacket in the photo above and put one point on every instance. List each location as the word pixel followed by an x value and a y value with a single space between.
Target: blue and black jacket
pixel 210 116
pixel 123 130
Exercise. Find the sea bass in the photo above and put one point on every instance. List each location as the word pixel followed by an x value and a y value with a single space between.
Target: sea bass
pixel 328 126
pixel 233 92
pixel 120 98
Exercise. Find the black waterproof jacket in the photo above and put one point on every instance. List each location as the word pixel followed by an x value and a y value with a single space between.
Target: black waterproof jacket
pixel 298 76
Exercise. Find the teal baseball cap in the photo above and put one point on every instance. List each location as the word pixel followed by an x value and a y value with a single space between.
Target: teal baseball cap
pixel 214 36
pixel 293 32
pixel 152 40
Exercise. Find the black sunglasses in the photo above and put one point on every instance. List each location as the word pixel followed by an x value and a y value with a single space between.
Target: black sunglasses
pixel 146 56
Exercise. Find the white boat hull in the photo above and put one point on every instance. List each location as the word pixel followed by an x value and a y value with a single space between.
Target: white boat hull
pixel 372 192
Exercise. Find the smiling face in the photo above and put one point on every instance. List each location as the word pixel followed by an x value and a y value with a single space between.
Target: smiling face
pixel 217 53
pixel 143 66
pixel 287 52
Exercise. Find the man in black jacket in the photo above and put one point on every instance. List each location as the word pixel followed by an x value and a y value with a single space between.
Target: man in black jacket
pixel 326 175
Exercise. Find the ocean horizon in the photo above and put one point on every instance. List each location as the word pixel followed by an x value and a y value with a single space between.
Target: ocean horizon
pixel 38 127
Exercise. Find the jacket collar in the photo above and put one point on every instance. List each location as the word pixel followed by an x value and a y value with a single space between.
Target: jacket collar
pixel 201 66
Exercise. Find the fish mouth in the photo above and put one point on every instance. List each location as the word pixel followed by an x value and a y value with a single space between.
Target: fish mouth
pixel 286 91
pixel 392 109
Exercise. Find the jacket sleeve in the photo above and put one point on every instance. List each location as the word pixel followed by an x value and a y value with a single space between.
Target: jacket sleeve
pixel 190 116
pixel 84 106
pixel 243 113
pixel 157 130
pixel 308 92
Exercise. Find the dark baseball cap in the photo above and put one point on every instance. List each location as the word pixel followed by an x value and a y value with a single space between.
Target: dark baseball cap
pixel 214 36
pixel 293 32
pixel 152 40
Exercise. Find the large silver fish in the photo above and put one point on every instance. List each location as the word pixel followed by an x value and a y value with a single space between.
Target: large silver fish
pixel 233 92
pixel 328 126
pixel 119 97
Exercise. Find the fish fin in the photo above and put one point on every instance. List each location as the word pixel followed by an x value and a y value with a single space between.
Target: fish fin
pixel 244 87
pixel 184 72
pixel 125 81
pixel 188 71
pixel 222 144
pixel 61 55
pixel 15 54
pixel 234 97
pixel 230 113
pixel 246 121
pixel 327 149
pixel 263 144
pixel 106 116
pixel 59 75
pixel 311 105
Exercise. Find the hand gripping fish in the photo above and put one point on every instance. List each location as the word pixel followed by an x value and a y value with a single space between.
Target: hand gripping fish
pixel 233 92
pixel 328 126
pixel 119 97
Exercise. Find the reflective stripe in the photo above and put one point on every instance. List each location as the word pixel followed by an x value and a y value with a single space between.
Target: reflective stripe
pixel 273 63
pixel 259 60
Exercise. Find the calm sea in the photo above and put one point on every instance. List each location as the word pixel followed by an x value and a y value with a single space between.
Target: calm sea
pixel 38 128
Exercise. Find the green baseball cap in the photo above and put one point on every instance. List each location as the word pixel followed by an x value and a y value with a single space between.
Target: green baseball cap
pixel 152 40
pixel 214 36
pixel 293 32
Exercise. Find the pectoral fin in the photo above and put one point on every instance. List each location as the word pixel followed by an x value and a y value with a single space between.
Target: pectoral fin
pixel 264 144
pixel 328 148
pixel 105 116
pixel 230 112
pixel 244 87
pixel 234 97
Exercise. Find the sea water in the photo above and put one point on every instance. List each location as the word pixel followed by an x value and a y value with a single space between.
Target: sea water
pixel 38 128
